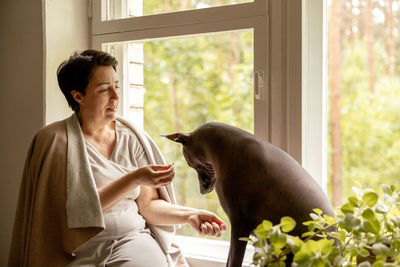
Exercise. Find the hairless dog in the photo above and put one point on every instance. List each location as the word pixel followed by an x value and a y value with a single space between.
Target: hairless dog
pixel 254 180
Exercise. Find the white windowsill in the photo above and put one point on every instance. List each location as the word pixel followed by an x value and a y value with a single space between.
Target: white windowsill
pixel 208 253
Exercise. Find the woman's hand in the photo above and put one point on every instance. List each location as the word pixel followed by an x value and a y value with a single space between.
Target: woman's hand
pixel 207 223
pixel 154 175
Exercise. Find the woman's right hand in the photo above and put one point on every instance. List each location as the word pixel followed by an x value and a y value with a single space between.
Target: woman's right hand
pixel 154 175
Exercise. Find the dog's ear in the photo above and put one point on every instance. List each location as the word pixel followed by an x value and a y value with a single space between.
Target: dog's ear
pixel 177 137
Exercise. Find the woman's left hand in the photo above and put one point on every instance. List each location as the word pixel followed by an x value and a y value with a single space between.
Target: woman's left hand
pixel 207 223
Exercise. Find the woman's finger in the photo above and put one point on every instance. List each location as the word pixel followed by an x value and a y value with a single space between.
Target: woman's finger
pixel 210 229
pixel 162 174
pixel 203 228
pixel 158 168
pixel 217 230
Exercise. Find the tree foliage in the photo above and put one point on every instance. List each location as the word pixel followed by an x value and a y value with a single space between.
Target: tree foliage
pixel 370 128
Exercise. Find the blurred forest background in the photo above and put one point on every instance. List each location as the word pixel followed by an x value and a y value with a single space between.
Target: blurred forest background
pixel 364 95
pixel 196 79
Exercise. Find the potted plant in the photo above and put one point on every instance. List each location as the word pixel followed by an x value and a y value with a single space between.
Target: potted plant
pixel 365 232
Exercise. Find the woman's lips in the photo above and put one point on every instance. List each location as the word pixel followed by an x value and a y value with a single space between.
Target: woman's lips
pixel 112 109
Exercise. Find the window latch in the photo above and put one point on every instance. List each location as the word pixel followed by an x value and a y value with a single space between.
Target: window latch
pixel 259 82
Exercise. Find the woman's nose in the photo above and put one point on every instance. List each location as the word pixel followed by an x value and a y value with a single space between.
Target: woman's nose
pixel 115 93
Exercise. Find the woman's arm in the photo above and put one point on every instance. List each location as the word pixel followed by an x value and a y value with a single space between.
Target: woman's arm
pixel 150 175
pixel 159 212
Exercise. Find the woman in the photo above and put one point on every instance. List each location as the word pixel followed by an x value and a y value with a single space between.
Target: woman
pixel 96 189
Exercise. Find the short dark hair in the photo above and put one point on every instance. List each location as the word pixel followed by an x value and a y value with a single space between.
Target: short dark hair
pixel 75 73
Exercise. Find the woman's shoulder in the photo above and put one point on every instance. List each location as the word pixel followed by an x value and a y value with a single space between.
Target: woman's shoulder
pixel 55 128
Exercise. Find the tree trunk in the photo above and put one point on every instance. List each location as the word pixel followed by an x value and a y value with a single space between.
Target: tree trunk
pixel 335 93
pixel 350 12
pixel 390 40
pixel 369 33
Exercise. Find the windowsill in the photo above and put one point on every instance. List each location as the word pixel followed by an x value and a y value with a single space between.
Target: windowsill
pixel 205 252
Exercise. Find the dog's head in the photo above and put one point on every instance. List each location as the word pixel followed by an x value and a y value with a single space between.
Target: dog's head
pixel 195 158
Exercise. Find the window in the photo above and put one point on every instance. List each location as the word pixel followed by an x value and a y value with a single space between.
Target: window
pixel 250 56
pixel 363 95
pixel 121 9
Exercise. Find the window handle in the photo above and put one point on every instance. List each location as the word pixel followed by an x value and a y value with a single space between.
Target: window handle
pixel 259 84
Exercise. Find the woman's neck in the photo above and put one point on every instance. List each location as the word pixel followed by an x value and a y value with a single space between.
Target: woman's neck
pixel 95 128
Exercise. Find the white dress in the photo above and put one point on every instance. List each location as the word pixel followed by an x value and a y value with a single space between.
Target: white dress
pixel 125 241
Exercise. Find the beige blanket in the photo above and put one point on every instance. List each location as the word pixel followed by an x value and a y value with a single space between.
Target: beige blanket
pixel 58 206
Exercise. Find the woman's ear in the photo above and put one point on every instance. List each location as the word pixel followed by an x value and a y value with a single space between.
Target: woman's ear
pixel 77 96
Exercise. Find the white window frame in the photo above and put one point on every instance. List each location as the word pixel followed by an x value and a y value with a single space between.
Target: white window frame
pixel 289 47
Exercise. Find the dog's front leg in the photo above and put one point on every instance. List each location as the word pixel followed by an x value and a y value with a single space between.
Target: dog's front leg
pixel 237 247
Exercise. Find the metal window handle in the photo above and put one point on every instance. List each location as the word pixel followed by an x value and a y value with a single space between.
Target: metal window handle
pixel 259 83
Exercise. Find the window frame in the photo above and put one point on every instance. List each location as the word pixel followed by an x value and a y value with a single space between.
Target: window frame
pixel 289 46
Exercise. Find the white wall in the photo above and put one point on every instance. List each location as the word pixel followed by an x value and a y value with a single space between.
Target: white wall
pixel 36 35
pixel 67 30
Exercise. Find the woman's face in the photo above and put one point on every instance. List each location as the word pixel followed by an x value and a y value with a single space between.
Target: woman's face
pixel 100 101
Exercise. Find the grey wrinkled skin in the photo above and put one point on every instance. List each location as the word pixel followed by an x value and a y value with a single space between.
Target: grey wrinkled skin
pixel 254 180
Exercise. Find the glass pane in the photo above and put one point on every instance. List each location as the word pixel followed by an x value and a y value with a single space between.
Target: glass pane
pixel 119 9
pixel 364 96
pixel 190 81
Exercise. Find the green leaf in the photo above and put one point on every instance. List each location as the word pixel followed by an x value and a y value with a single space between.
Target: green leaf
pixel 347 208
pixel 372 226
pixel 395 220
pixel 386 189
pixel 368 214
pixel 382 209
pixel 370 197
pixel 364 264
pixel 302 256
pixel 262 230
pixel 364 252
pixel 314 216
pixel 380 249
pixel 353 200
pixel 281 242
pixel 287 224
pixel 396 244
pixel 351 222
pixel 357 184
pixel 389 198
pixel 306 234
pixel 274 236
pixel 329 220
pixel 393 187
pixel 324 245
pixel 318 211
pixel 378 264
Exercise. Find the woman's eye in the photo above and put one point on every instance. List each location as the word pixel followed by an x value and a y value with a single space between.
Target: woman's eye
pixel 103 90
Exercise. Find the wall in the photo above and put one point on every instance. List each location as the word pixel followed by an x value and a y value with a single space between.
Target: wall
pixel 36 36
pixel 22 99
pixel 67 30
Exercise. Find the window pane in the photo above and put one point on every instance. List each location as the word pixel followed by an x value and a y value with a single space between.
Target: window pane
pixel 190 81
pixel 364 103
pixel 176 85
pixel 119 9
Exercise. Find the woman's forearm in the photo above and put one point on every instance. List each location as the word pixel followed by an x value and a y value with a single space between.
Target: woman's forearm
pixel 113 192
pixel 150 175
pixel 161 212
